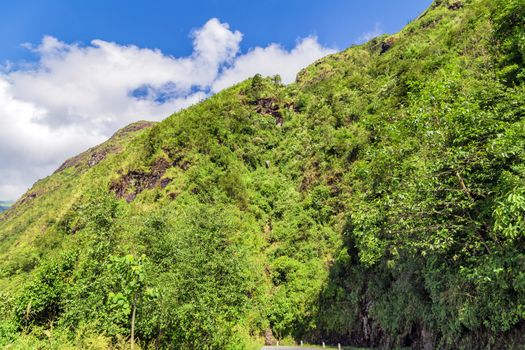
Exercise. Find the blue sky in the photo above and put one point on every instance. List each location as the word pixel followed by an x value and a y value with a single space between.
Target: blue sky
pixel 165 24
pixel 73 72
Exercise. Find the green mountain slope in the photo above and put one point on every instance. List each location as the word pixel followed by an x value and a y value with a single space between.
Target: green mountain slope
pixel 378 201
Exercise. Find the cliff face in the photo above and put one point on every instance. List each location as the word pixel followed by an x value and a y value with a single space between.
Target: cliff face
pixel 378 201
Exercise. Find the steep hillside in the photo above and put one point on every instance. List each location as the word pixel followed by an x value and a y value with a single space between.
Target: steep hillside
pixel 379 201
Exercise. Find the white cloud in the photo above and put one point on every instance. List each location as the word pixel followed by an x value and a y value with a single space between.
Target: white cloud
pixel 76 96
pixel 29 149
pixel 215 43
pixel 273 60
pixel 367 36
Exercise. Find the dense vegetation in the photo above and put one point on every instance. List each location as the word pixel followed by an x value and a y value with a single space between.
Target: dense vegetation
pixel 378 201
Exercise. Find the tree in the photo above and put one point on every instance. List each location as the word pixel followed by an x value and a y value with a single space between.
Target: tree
pixel 130 284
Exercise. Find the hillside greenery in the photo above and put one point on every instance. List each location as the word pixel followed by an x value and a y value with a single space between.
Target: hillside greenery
pixel 379 201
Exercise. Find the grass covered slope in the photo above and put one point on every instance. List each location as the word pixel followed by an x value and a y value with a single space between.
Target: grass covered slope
pixel 378 201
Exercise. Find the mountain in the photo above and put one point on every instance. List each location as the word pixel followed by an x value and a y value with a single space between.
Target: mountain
pixel 379 201
pixel 4 205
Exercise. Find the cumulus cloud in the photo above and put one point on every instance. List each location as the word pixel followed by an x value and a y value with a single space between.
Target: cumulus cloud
pixel 273 60
pixel 75 96
pixel 29 149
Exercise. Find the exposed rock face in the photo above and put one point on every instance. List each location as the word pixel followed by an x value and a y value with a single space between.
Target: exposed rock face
pixel 134 182
pixel 387 45
pixel 273 107
pixel 269 339
pixel 270 106
pixel 427 339
pixel 455 6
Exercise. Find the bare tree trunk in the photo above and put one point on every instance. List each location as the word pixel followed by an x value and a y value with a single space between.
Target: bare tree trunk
pixel 133 321
pixel 157 341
